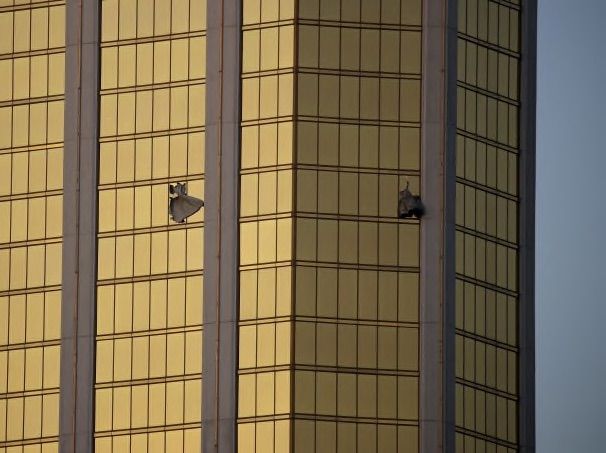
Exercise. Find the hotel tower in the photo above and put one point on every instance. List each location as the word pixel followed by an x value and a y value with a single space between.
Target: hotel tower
pixel 296 312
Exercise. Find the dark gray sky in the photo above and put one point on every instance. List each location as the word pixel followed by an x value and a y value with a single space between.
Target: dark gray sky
pixel 571 227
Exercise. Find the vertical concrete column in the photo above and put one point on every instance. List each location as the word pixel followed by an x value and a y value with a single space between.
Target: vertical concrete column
pixel 448 327
pixel 527 171
pixel 437 304
pixel 79 226
pixel 221 245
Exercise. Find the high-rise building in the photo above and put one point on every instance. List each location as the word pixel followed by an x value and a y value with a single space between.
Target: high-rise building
pixel 296 312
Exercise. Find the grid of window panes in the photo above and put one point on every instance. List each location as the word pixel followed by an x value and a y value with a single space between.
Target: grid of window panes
pixel 356 370
pixel 32 52
pixel 487 225
pixel 265 327
pixel 148 382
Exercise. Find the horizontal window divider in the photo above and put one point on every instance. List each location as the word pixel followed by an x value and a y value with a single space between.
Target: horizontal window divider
pixel 37 289
pixel 361 74
pixel 360 170
pixel 360 25
pixel 273 216
pixel 269 24
pixel 264 369
pixel 156 38
pixel 31 5
pixel 162 133
pixel 477 185
pixel 270 265
pixel 267 169
pixel 489 94
pixel 269 72
pixel 151 429
pixel 264 321
pixel 159 229
pixel 148 333
pixel 153 182
pixel 149 278
pixel 355 266
pixel 30 345
pixel 487 237
pixel 357 370
pixel 483 339
pixel 148 381
pixel 269 120
pixel 41 146
pixel 152 86
pixel 33 53
pixel 29 441
pixel 487 285
pixel 356 218
pixel 494 440
pixel 361 420
pixel 355 322
pixel 30 243
pixel 32 100
pixel 487 141
pixel 488 45
pixel 356 121
pixel 265 418
pixel 27 393
pixel 510 4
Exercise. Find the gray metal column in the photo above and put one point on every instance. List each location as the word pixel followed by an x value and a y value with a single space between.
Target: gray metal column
pixel 79 226
pixel 527 165
pixel 221 249
pixel 448 328
pixel 438 137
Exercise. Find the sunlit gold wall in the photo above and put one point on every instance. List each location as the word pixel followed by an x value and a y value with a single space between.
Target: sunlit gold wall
pixel 266 222
pixel 149 294
pixel 32 53
pixel 329 276
pixel 487 225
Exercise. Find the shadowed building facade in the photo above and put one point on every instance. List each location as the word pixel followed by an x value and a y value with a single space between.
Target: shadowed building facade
pixel 295 312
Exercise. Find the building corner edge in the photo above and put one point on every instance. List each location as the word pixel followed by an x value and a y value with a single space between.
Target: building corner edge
pixel 527 171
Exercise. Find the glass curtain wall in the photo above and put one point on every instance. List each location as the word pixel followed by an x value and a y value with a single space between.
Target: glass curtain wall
pixel 32 61
pixel 329 275
pixel 487 225
pixel 148 383
pixel 266 226
pixel 356 293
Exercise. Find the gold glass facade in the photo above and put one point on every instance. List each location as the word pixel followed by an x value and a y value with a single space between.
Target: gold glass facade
pixel 329 276
pixel 32 53
pixel 487 226
pixel 266 226
pixel 328 315
pixel 148 383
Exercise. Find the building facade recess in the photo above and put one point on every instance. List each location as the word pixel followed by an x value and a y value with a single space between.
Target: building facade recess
pixel 295 311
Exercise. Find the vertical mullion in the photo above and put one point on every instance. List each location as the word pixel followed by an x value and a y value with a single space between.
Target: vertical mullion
pixel 294 211
pixel 357 236
pixel 47 91
pixel 338 238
